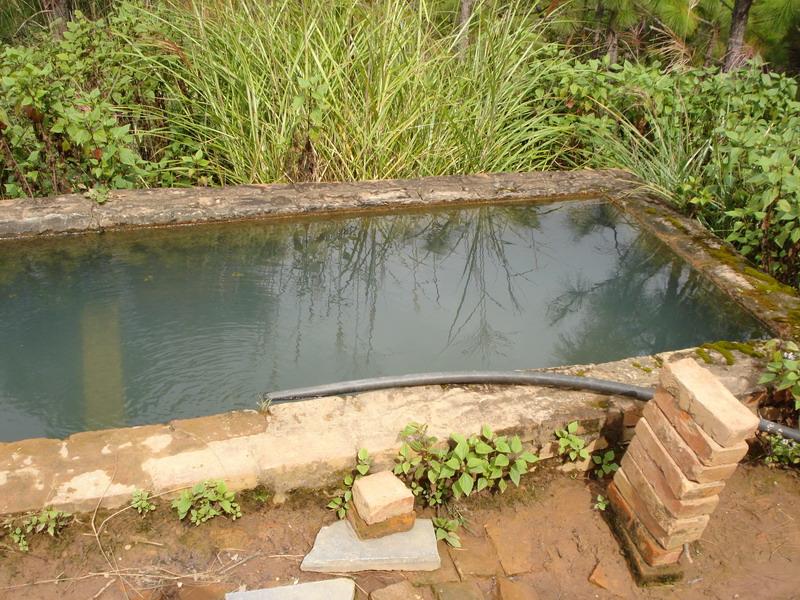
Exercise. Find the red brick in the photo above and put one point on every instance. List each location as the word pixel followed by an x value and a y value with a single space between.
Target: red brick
pixel 707 450
pixel 669 532
pixel 726 420
pixel 639 467
pixel 680 451
pixel 681 486
pixel 396 524
pixel 380 496
pixel 652 552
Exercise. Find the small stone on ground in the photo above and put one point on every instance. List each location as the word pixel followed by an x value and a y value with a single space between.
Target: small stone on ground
pixel 601 577
pixel 338 549
pixel 333 589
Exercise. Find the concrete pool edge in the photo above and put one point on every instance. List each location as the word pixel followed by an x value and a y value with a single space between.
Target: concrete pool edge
pixel 308 444
pixel 166 207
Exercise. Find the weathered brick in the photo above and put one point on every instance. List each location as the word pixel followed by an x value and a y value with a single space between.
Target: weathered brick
pixel 640 467
pixel 707 450
pixel 631 411
pixel 396 524
pixel 680 451
pixel 670 533
pixel 680 485
pixel 708 401
pixel 652 552
pixel 380 496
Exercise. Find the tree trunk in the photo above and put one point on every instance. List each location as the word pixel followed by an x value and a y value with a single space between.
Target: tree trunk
pixel 598 18
pixel 464 15
pixel 734 56
pixel 612 40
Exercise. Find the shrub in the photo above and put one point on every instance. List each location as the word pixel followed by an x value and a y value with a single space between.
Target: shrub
pixel 438 472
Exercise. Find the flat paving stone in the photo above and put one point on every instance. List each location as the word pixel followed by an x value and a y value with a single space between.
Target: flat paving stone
pixel 514 543
pixel 466 590
pixel 332 589
pixel 338 549
pixel 399 591
pixel 477 556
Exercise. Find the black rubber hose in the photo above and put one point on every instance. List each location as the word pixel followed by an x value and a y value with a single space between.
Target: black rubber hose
pixel 782 430
pixel 557 380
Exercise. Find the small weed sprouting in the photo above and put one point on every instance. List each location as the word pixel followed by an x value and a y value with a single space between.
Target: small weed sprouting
pixel 783 371
pixel 446 530
pixel 601 503
pixel 605 464
pixel 571 445
pixel 205 501
pixel 140 500
pixel 49 521
pixel 781 451
pixel 341 502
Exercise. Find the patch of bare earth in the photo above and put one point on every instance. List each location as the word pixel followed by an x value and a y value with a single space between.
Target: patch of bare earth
pixel 543 541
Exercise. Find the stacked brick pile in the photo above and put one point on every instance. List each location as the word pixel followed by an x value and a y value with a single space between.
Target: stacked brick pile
pixel 382 505
pixel 688 442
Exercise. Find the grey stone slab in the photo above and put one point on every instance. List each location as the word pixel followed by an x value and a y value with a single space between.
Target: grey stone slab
pixel 337 549
pixel 332 589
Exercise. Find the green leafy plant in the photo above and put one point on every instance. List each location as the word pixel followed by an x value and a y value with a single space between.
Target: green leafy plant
pixel 781 451
pixel 341 502
pixel 601 503
pixel 570 445
pixel 140 500
pixel 783 371
pixel 446 529
pixel 17 535
pixel 205 501
pixel 605 464
pixel 438 472
pixel 49 521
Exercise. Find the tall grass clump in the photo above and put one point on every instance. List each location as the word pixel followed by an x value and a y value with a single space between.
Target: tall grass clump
pixel 344 90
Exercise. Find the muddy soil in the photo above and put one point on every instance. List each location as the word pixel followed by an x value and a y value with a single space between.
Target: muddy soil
pixel 545 536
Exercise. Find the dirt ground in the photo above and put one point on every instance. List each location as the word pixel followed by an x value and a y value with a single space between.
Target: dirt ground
pixel 545 536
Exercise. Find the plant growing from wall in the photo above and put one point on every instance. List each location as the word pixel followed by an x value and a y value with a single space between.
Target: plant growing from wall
pixel 571 445
pixel 341 502
pixel 205 501
pixel 141 501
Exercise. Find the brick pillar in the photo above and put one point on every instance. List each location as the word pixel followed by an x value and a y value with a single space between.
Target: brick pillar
pixel 689 440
